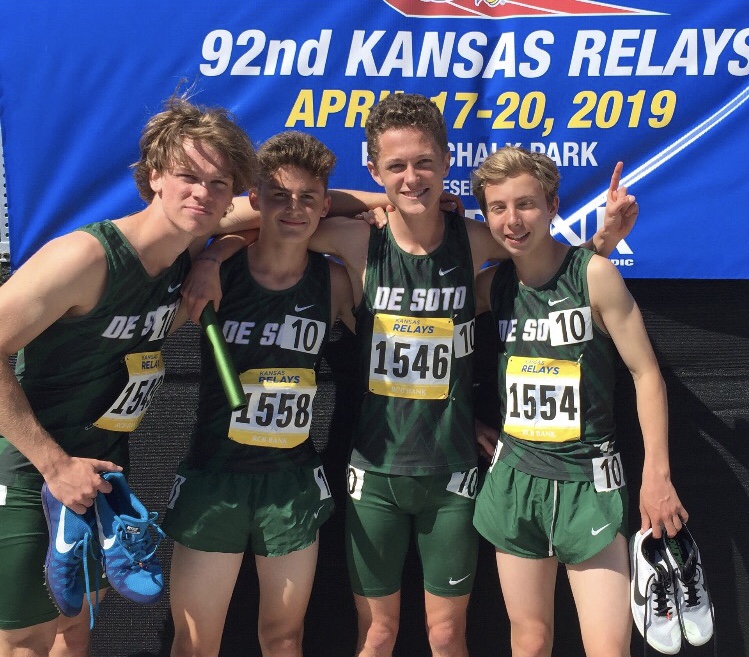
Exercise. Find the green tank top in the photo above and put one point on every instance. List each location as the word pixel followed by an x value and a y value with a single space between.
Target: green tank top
pixel 275 338
pixel 90 379
pixel 415 331
pixel 556 376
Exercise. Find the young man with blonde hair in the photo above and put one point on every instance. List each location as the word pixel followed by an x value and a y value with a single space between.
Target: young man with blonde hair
pixel 555 492
pixel 87 315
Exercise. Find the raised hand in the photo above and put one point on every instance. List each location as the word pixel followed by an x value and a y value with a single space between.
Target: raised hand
pixel 621 208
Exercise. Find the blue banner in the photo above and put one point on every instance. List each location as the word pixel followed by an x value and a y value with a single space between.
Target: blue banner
pixel 661 85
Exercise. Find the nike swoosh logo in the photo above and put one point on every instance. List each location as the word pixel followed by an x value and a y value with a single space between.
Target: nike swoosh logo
pixel 639 598
pixel 298 309
pixel 447 271
pixel 317 513
pixel 106 543
pixel 453 582
pixel 554 302
pixel 61 544
pixel 172 288
pixel 595 532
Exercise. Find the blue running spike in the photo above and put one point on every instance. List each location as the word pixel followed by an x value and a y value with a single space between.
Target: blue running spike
pixel 71 540
pixel 126 537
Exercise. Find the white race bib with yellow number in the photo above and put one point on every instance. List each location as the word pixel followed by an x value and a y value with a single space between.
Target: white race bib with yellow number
pixel 543 399
pixel 279 407
pixel 146 374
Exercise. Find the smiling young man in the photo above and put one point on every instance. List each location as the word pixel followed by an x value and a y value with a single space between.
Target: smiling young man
pixel 252 478
pixel 87 314
pixel 555 492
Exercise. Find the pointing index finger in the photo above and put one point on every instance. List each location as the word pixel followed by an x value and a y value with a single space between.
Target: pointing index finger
pixel 616 177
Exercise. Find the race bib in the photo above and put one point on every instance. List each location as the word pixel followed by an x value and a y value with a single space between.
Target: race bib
pixel 279 407
pixel 464 483
pixel 608 473
pixel 543 399
pixel 570 326
pixel 302 334
pixel 411 356
pixel 355 480
pixel 322 483
pixel 145 376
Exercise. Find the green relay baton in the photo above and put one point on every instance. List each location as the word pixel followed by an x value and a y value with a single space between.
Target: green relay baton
pixel 224 364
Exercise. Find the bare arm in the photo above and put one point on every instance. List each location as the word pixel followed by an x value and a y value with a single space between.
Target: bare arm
pixel 203 283
pixel 616 311
pixel 338 236
pixel 347 239
pixel 483 289
pixel 350 202
pixel 342 298
pixel 239 229
pixel 343 202
pixel 65 278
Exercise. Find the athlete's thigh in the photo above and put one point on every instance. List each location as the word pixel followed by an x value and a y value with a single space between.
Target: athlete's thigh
pixel 377 535
pixel 209 511
pixel 447 540
pixel 289 507
pixel 515 512
pixel 528 588
pixel 587 520
pixel 600 587
pixel 285 587
pixel 201 585
pixel 35 640
pixel 24 538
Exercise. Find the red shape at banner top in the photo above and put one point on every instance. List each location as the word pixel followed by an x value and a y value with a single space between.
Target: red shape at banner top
pixel 497 9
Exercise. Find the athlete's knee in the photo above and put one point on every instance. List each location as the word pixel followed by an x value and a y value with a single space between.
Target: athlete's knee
pixel 606 646
pixel 378 637
pixel 448 637
pixel 278 641
pixel 531 640
pixel 72 643
pixel 186 645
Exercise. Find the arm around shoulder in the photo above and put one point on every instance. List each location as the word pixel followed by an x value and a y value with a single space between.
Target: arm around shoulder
pixel 484 248
pixel 342 237
pixel 242 217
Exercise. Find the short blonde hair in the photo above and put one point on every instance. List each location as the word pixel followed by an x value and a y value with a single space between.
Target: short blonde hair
pixel 511 161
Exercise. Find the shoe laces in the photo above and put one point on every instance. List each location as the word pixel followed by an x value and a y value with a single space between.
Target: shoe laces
pixel 660 585
pixel 691 576
pixel 140 548
pixel 86 547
